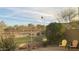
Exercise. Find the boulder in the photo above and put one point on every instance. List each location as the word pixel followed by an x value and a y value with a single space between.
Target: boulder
pixel 22 46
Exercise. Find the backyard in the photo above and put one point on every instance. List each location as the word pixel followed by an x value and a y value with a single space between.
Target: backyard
pixel 40 32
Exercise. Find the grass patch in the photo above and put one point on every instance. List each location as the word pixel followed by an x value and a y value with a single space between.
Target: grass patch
pixel 21 40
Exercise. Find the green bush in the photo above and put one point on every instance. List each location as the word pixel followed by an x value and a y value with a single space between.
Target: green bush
pixel 7 44
pixel 53 33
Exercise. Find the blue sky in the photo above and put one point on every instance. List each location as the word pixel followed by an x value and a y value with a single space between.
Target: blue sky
pixel 26 15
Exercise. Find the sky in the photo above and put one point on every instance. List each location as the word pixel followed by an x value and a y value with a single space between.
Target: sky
pixel 29 15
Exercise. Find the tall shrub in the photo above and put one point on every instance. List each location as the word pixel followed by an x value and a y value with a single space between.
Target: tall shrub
pixel 7 44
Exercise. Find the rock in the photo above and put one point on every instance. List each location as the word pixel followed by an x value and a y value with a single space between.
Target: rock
pixel 22 46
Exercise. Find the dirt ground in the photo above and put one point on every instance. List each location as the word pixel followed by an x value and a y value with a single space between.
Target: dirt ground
pixel 50 49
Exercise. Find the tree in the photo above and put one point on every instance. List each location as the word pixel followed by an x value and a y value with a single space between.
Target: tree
pixel 67 15
pixel 53 33
pixel 2 27
pixel 30 25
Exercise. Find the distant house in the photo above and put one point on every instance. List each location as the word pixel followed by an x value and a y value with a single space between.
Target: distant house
pixel 23 31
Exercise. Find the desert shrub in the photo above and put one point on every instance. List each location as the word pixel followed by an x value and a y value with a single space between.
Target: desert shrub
pixel 7 44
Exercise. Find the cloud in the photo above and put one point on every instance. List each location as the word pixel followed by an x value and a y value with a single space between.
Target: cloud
pixel 25 12
pixel 32 14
